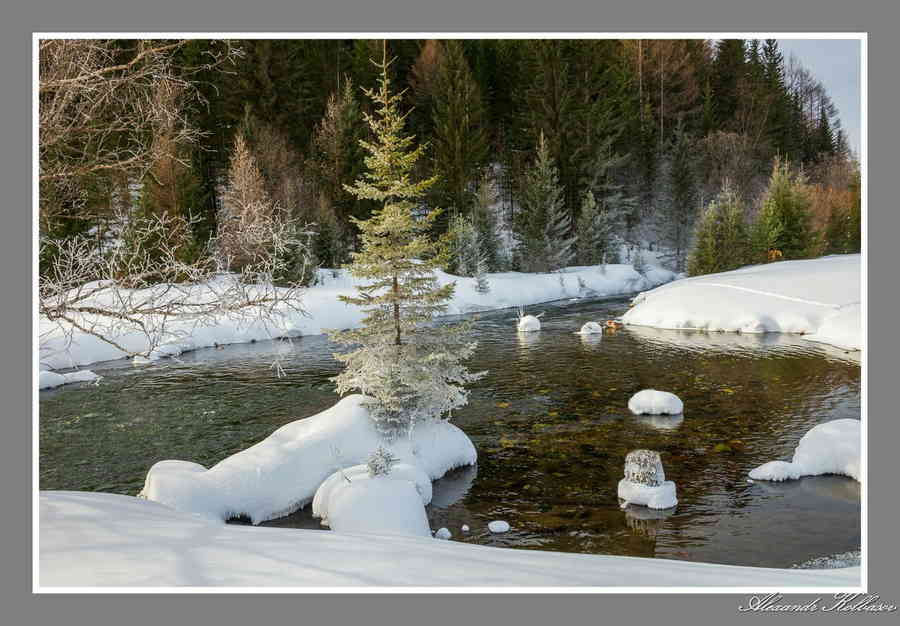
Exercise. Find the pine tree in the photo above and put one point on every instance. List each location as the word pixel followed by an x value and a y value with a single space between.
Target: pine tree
pixel 558 239
pixel 486 224
pixel 783 223
pixel 541 196
pixel 411 370
pixel 721 238
pixel 679 199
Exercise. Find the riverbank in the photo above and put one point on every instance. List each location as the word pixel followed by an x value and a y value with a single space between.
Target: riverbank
pixel 63 347
pixel 107 540
pixel 818 298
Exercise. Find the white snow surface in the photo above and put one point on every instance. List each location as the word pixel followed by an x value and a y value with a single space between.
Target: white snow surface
pixel 325 311
pixel 100 539
pixel 653 497
pixel 282 473
pixel 829 448
pixel 352 501
pixel 817 297
pixel 48 379
pixel 653 402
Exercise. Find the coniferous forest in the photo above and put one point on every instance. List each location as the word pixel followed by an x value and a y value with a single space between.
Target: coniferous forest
pixel 544 153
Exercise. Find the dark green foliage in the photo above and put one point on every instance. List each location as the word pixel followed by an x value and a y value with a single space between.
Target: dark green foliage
pixel 721 241
pixel 783 223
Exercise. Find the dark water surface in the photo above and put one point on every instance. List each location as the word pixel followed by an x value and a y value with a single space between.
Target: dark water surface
pixel 551 425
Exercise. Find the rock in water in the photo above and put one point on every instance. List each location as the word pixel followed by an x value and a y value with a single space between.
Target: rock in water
pixel 443 533
pixel 498 526
pixel 653 402
pixel 644 467
pixel 645 482
pixel 529 324
pixel 591 328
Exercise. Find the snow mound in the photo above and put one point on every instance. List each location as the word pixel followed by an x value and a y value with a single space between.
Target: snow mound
pixel 443 533
pixel 591 328
pixel 498 526
pixel 841 329
pixel 829 448
pixel 465 528
pixel 48 379
pixel 354 501
pixel 787 297
pixel 108 540
pixel 653 402
pixel 282 473
pixel 528 324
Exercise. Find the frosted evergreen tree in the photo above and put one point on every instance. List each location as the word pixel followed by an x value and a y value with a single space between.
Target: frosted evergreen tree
pixel 411 370
pixel 558 237
pixel 484 219
pixel 540 222
pixel 721 238
pixel 678 200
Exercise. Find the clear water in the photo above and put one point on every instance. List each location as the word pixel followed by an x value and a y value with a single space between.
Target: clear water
pixel 551 425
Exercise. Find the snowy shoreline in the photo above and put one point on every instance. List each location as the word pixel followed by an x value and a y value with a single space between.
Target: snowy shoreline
pixel 324 311
pixel 107 540
pixel 817 298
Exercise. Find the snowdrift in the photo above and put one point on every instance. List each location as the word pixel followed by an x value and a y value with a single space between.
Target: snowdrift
pixel 98 539
pixel 282 473
pixel 819 297
pixel 829 448
pixel 325 311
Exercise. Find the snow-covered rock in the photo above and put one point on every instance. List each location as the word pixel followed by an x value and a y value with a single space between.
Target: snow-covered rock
pixel 498 526
pixel 829 448
pixel 528 324
pixel 817 297
pixel 48 379
pixel 108 540
pixel 591 328
pixel 465 528
pixel 645 482
pixel 653 402
pixel 443 533
pixel 354 501
pixel 282 473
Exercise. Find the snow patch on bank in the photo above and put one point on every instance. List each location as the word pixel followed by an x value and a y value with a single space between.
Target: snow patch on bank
pixel 282 473
pixel 99 539
pixel 48 379
pixel 325 311
pixel 829 448
pixel 817 297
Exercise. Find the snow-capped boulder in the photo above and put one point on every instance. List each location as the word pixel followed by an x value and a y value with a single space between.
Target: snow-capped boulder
pixel 355 501
pixel 443 533
pixel 282 473
pixel 653 402
pixel 528 324
pixel 498 526
pixel 829 448
pixel 591 328
pixel 645 482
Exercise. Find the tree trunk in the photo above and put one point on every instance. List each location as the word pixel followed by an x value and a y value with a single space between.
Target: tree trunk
pixel 396 289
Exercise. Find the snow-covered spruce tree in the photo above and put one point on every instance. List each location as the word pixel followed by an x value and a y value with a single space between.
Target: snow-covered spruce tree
pixel 541 219
pixel 558 237
pixel 486 223
pixel 411 370
pixel 464 248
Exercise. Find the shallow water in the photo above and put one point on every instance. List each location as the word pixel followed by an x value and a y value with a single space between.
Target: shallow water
pixel 551 425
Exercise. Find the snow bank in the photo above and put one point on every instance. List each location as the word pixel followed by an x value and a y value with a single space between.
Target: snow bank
pixel 811 297
pixel 829 448
pixel 325 311
pixel 653 402
pixel 352 501
pixel 97 539
pixel 282 473
pixel 48 379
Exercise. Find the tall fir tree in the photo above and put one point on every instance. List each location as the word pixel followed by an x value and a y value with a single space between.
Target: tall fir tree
pixel 411 370
pixel 678 201
pixel 721 239
pixel 784 222
pixel 540 197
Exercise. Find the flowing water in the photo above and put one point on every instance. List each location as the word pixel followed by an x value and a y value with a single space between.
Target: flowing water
pixel 549 420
